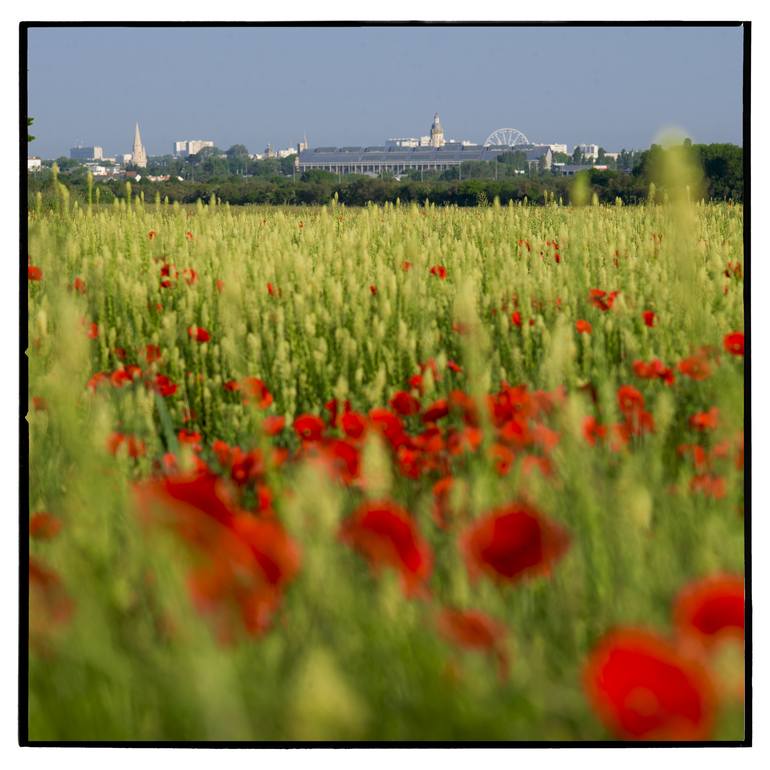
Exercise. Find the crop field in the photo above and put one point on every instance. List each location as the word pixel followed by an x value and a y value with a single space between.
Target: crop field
pixel 392 473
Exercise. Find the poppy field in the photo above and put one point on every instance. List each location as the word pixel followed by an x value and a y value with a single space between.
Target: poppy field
pixel 393 473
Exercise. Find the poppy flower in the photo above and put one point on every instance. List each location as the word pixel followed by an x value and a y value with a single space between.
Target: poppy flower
pixel 733 343
pixel 271 290
pixel 592 430
pixel 516 318
pixel 97 379
pixel 705 420
pixel 219 284
pixel 246 561
pixel 273 424
pixel 125 375
pixel 43 525
pixel 79 285
pixel 387 536
pixel 152 353
pixel 711 609
pixel 474 630
pixel 436 411
pixel 49 603
pixel 92 331
pixel 34 273
pixel 455 367
pixel 404 403
pixel 710 485
pixel 601 299
pixel 649 318
pixel 353 424
pixel 135 447
pixel 405 265
pixel 373 289
pixel 152 235
pixel 188 235
pixel 309 427
pixel 198 334
pixel 583 327
pixel 163 385
pixel 439 271
pixel 512 543
pixel 642 688
pixel 630 400
pixel 39 404
pixel 696 367
pixel 255 391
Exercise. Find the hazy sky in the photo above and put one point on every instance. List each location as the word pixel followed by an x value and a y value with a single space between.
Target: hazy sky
pixel 616 87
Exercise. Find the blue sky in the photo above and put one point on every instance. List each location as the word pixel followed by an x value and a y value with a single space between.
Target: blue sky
pixel 616 87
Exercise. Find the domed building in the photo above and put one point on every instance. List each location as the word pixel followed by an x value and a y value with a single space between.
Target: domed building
pixel 436 133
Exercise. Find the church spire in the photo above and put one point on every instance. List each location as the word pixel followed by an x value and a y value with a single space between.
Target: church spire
pixel 138 154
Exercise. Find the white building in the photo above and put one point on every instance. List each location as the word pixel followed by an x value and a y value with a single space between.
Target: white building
pixel 86 153
pixel 187 147
pixel 34 163
pixel 589 151
pixel 559 148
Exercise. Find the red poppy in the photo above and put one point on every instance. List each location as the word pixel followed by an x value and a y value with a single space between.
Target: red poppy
pixel 710 485
pixel 630 400
pixel 655 369
pixel 273 424
pixel 219 284
pixel 49 603
pixel 246 560
pixel 97 379
pixel 34 273
pixel 512 543
pixel 188 235
pixel 79 285
pixel 271 290
pixel 733 343
pixel 474 630
pixel 436 411
pixel 198 334
pixel 309 427
pixel 255 391
pixel 39 404
pixel 405 265
pixel 163 385
pixel 649 318
pixel 592 430
pixel 705 420
pixel 353 424
pixel 696 367
pixel 439 271
pixel 387 536
pixel 404 403
pixel 135 447
pixel 602 299
pixel 151 353
pixel 92 331
pixel 583 327
pixel 456 368
pixel 711 609
pixel 373 289
pixel 43 525
pixel 189 436
pixel 642 688
pixel 151 235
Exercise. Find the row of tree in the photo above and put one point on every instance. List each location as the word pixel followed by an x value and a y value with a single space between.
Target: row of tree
pixel 719 170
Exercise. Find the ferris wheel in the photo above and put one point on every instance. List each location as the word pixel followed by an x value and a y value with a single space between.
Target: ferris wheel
pixel 506 137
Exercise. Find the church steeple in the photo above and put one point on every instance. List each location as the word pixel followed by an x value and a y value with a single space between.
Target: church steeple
pixel 436 133
pixel 138 154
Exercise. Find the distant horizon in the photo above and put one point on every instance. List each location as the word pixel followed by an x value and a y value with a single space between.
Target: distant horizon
pixel 617 87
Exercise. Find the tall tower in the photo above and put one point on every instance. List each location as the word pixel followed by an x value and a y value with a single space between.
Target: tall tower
pixel 436 133
pixel 138 154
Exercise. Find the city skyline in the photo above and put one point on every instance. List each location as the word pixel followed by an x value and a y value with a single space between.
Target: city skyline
pixel 558 84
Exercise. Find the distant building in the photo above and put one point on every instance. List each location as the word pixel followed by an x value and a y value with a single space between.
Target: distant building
pixel 34 163
pixel 396 160
pixel 187 147
pixel 559 148
pixel 436 133
pixel 589 151
pixel 86 153
pixel 138 154
pixel 124 158
pixel 612 155
pixel 570 169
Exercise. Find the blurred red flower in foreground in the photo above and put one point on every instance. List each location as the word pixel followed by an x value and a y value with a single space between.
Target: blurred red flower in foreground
pixel 474 630
pixel 583 327
pixel 198 334
pixel 49 603
pixel 711 610
pixel 602 299
pixel 439 271
pixel 34 273
pixel 309 427
pixel 245 561
pixel 134 446
pixel 696 367
pixel 733 343
pixel 642 688
pixel 649 318
pixel 43 525
pixel 512 543
pixel 387 536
